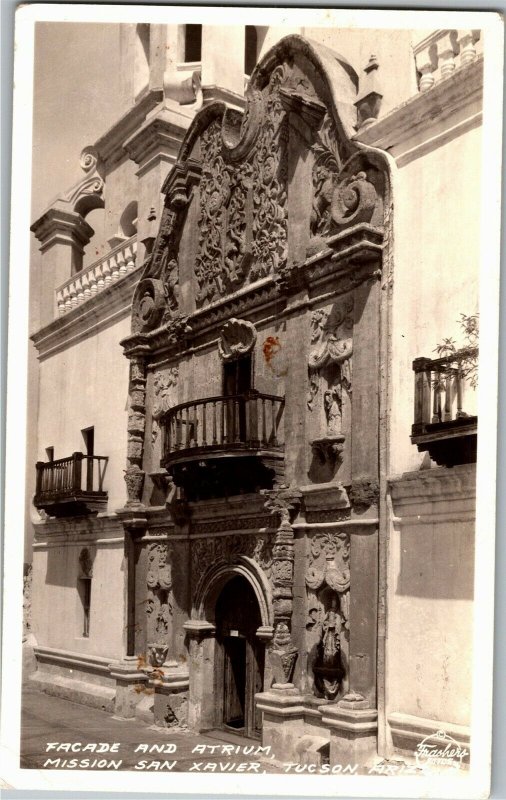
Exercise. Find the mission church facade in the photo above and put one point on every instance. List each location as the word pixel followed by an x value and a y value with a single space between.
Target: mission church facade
pixel 241 523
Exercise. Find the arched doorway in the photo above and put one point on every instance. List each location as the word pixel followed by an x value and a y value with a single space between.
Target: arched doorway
pixel 239 658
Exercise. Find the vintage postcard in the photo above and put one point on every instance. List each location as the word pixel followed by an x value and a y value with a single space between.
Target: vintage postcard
pixel 254 310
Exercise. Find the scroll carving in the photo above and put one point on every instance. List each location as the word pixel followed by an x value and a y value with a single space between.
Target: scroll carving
pixel 220 265
pixel 270 174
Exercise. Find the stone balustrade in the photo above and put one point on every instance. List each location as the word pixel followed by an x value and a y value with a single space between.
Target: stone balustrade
pixel 84 285
pixel 437 56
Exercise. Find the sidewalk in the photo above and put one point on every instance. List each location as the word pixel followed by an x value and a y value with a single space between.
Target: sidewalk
pixel 46 719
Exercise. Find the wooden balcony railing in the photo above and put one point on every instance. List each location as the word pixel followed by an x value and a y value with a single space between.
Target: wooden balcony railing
pixel 442 426
pixel 247 422
pixel 72 485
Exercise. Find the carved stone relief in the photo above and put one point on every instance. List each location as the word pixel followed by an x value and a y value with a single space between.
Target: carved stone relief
pixel 208 551
pixel 329 376
pixel 159 600
pixel 237 337
pixel 270 174
pixel 164 384
pixel 328 594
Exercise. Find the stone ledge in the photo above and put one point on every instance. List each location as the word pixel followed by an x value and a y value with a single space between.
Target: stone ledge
pixel 88 694
pixel 441 483
pixel 108 525
pixel 113 302
pixel 417 115
pixel 361 721
pixel 407 731
pixel 73 660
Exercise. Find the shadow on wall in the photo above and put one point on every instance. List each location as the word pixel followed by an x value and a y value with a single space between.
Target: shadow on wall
pixel 437 564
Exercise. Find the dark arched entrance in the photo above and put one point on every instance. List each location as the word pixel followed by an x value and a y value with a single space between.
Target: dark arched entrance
pixel 239 658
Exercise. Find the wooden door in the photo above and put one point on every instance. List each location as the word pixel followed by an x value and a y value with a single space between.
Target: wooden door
pixel 240 658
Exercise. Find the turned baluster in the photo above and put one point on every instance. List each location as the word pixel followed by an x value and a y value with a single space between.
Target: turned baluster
pixel 215 439
pixel 436 407
pixel 274 424
pixel 187 423
pixel 237 426
pixel 264 426
pixel 223 429
pixel 458 380
pixel 448 399
pixel 204 425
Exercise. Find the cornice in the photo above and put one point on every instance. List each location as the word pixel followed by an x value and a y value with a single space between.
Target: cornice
pixel 438 484
pixel 57 224
pixel 110 146
pixel 424 111
pixel 106 526
pixel 353 257
pixel 112 303
pixel 160 136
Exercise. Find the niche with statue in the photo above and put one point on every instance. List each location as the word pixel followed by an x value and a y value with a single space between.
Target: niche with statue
pixel 329 396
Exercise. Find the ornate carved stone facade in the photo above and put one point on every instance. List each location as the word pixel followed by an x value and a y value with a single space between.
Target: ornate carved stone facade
pixel 255 292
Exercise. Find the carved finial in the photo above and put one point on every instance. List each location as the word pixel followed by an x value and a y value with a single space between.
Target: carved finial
pixel 369 99
pixel 371 64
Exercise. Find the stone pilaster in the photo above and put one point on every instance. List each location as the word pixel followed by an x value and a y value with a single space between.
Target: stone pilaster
pixel 134 475
pixel 63 234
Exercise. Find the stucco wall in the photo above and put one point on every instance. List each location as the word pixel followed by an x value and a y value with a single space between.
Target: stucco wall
pixel 430 594
pixel 84 385
pixel 57 614
pixel 436 269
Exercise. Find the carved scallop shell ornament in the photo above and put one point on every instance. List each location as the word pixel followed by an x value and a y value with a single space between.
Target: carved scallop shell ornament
pixel 237 338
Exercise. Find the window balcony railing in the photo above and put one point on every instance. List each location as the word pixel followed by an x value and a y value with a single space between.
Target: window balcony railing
pixel 438 55
pixel 84 285
pixel 243 422
pixel 71 486
pixel 442 426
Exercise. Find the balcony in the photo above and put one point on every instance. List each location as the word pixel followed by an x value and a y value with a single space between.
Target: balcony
pixel 84 285
pixel 442 426
pixel 71 486
pixel 224 445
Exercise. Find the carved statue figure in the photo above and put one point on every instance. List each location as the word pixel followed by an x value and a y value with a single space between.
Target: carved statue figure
pixel 331 631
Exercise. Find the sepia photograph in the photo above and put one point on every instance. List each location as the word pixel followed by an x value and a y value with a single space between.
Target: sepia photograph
pixel 253 514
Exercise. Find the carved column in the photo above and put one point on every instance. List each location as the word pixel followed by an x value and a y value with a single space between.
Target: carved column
pixel 134 475
pixel 283 653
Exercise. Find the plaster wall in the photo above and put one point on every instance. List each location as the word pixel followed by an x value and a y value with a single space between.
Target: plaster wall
pixel 84 385
pixel 121 187
pixel 55 576
pixel 430 598
pixel 436 270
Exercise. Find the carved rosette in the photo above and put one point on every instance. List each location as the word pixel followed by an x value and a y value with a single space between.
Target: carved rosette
pixel 159 600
